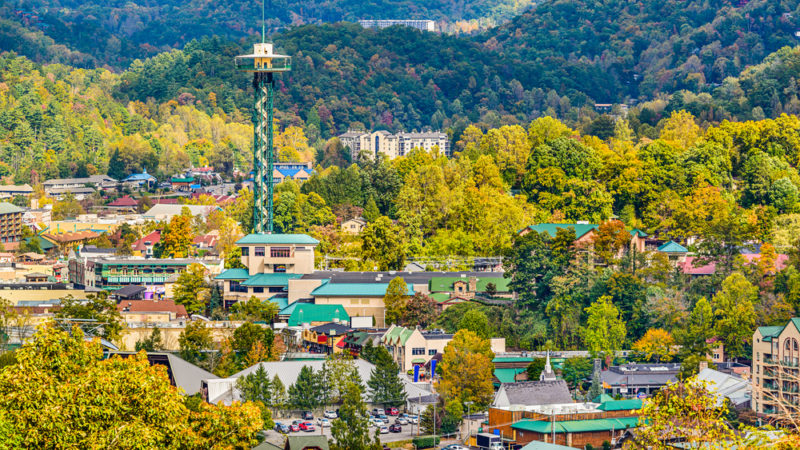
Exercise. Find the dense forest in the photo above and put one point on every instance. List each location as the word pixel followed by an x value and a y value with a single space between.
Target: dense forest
pixel 116 32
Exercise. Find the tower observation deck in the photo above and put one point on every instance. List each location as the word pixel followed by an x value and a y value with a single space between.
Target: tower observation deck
pixel 263 63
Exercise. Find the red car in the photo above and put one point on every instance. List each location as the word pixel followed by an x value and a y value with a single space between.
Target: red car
pixel 392 411
pixel 294 428
pixel 307 426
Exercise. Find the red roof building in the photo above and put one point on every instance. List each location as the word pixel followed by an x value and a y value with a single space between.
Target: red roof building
pixel 124 202
pixel 145 244
pixel 143 307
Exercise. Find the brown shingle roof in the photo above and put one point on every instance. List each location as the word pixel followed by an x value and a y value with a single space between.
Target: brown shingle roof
pixel 72 237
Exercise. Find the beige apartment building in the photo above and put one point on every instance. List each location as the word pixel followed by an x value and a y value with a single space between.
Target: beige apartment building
pixel 776 375
pixel 271 260
pixel 412 347
pixel 394 145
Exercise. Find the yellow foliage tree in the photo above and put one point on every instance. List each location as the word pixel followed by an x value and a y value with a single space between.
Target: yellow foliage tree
pixel 656 345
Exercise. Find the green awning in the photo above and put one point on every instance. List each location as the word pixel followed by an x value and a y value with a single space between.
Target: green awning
pixel 418 361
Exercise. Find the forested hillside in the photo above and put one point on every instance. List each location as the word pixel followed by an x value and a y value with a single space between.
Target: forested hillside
pixel 651 46
pixel 116 32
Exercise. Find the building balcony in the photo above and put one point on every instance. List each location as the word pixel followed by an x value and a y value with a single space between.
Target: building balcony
pixel 769 361
pixel 786 363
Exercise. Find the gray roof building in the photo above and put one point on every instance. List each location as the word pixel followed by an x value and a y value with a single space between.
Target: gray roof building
pixel 531 393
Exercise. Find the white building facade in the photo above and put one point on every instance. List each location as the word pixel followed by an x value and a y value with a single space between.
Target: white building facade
pixel 394 145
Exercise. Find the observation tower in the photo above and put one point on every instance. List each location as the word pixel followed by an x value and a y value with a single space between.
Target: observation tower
pixel 263 63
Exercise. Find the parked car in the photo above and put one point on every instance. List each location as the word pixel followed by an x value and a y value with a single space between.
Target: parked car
pixel 323 422
pixel 392 411
pixel 412 419
pixel 395 428
pixel 401 421
pixel 307 415
pixel 294 427
pixel 384 430
pixel 281 428
pixel 307 426
pixel 331 414
pixel 455 447
pixel 384 418
pixel 377 411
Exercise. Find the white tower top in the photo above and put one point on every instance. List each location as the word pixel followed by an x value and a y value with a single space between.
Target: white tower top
pixel 547 374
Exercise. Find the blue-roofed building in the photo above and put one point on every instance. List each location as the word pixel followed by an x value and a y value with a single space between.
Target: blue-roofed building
pixel 674 251
pixel 140 180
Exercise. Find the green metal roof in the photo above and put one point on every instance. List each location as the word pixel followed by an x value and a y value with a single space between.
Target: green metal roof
pixel 355 290
pixel 507 375
pixel 552 228
pixel 281 301
pixel 445 284
pixel 310 312
pixel 506 359
pixel 181 180
pixel 304 442
pixel 580 229
pixel 8 208
pixel 576 426
pixel 440 297
pixel 44 244
pixel 271 279
pixel 147 262
pixel 277 239
pixel 672 247
pixel 621 405
pixel 233 274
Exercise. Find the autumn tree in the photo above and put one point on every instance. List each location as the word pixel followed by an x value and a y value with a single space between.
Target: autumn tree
pixel 735 316
pixel 176 239
pixel 382 243
pixel 255 310
pixel 656 345
pixel 194 341
pixel 92 401
pixel 610 239
pixel 97 307
pixel 395 300
pixel 686 411
pixel 191 289
pixel 420 310
pixel 605 330
pixel 466 370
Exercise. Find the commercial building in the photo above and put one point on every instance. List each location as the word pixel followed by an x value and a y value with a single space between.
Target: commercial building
pixel 112 274
pixel 423 25
pixel 11 191
pixel 776 369
pixel 394 145
pixel 415 347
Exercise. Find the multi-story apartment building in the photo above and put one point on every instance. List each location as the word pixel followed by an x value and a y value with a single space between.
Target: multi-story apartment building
pixel 114 273
pixel 423 25
pixel 394 145
pixel 776 369
pixel 10 224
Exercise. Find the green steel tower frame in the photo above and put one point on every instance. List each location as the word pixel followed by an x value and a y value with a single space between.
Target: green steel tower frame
pixel 263 63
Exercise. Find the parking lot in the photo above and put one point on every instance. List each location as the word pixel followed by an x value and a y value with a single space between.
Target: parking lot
pixel 408 431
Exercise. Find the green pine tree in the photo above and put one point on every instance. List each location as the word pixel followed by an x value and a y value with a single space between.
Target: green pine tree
pixel 384 381
pixel 305 392
pixel 371 211
pixel 351 430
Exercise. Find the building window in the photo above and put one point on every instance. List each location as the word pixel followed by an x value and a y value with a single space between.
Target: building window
pixel 259 251
pixel 276 289
pixel 280 252
pixel 279 268
pixel 258 290
pixel 431 352
pixel 417 351
pixel 245 251
pixel 237 287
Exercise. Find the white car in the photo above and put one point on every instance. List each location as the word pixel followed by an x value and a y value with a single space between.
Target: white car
pixel 331 414
pixel 412 419
pixel 401 421
pixel 375 422
pixel 323 422
pixel 384 429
